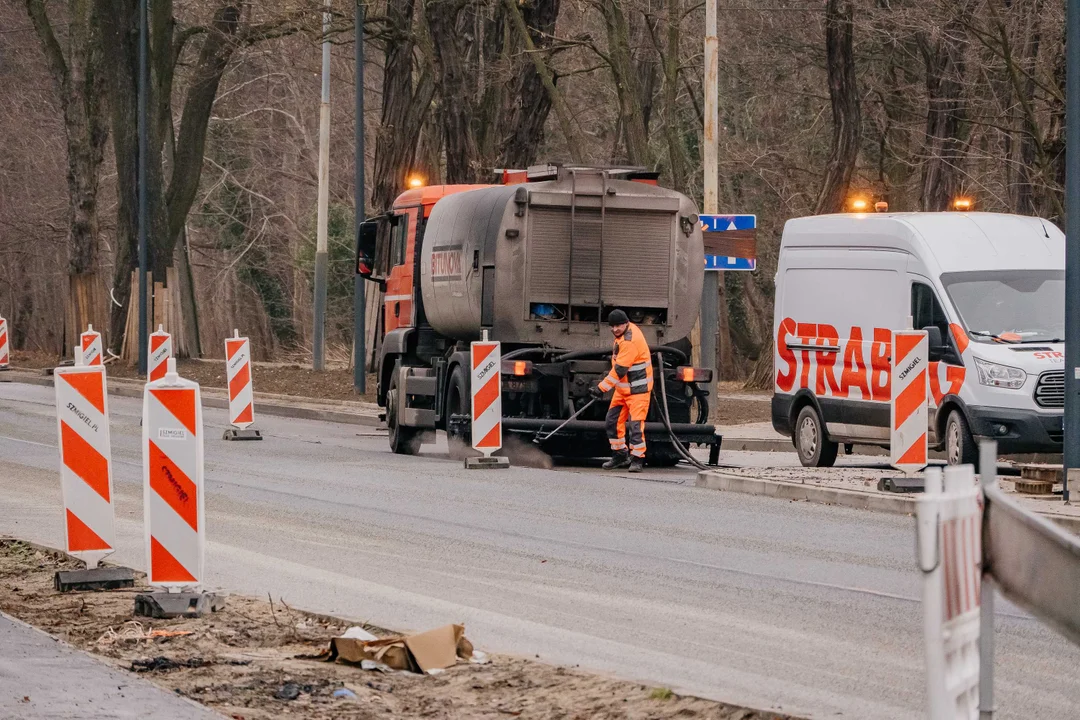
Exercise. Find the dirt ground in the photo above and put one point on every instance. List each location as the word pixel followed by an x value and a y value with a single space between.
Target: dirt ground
pixel 237 660
pixel 749 406
pixel 276 378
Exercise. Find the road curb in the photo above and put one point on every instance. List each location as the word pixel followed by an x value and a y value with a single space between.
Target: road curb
pixel 266 407
pixel 858 500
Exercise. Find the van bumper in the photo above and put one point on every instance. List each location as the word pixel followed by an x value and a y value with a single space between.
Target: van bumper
pixel 781 413
pixel 1027 431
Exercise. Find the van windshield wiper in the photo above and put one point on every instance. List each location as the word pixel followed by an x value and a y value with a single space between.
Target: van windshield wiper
pixel 992 336
pixel 1050 340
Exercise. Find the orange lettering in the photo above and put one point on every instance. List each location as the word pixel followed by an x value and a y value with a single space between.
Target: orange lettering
pixel 785 380
pixel 880 374
pixel 854 370
pixel 826 361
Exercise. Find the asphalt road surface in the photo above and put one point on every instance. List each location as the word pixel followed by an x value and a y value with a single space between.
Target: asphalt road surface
pixel 797 607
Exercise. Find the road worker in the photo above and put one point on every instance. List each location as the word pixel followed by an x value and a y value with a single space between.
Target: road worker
pixel 631 378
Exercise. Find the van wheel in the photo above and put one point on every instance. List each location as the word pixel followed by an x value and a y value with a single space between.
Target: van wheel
pixel 403 440
pixel 814 447
pixel 959 444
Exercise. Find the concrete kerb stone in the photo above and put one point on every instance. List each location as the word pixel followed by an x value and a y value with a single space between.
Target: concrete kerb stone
pixel 277 408
pixel 842 497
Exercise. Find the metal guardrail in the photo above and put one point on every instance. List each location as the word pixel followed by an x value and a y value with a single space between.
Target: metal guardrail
pixel 1033 562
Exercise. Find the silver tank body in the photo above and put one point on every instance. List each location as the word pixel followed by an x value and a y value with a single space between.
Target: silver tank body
pixel 544 262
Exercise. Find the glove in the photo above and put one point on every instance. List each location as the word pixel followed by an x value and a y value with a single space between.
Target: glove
pixel 595 392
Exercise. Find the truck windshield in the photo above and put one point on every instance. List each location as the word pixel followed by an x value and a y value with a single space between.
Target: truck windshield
pixel 1012 306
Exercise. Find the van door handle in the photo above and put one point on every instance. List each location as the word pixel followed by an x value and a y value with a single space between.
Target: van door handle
pixel 397 309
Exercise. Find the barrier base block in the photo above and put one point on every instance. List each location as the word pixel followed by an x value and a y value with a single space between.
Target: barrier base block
pixel 901 485
pixel 486 463
pixel 100 578
pixel 163 605
pixel 238 434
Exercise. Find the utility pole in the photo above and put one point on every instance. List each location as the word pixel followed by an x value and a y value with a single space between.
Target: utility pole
pixel 144 200
pixel 359 294
pixel 1072 246
pixel 710 291
pixel 319 336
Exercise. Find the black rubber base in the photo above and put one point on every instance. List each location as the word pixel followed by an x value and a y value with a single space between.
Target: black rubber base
pixel 101 578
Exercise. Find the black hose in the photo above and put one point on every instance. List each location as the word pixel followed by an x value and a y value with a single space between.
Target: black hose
pixel 522 351
pixel 669 350
pixel 665 416
pixel 578 354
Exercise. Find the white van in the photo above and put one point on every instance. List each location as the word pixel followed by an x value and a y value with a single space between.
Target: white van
pixel 988 288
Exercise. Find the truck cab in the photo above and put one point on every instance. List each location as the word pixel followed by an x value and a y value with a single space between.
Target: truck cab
pixel 988 288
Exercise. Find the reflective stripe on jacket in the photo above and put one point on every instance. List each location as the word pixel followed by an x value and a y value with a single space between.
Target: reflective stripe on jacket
pixel 631 364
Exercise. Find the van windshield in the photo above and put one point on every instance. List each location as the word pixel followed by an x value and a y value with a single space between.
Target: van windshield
pixel 1012 306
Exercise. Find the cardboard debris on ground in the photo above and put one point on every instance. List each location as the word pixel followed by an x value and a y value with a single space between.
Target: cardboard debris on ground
pixel 432 650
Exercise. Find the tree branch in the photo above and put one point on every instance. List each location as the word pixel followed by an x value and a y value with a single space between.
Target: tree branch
pixel 49 45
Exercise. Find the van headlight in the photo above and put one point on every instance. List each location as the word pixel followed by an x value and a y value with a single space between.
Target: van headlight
pixel 1001 376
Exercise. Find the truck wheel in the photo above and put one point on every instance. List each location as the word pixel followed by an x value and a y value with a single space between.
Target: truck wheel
pixel 458 402
pixel 403 440
pixel 959 444
pixel 814 447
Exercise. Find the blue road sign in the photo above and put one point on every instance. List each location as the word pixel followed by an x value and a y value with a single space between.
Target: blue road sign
pixel 725 223
pixel 722 262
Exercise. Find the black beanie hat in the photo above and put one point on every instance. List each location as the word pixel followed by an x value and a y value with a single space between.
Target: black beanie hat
pixel 617 317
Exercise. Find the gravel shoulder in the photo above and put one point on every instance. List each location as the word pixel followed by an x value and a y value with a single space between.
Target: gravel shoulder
pixel 235 661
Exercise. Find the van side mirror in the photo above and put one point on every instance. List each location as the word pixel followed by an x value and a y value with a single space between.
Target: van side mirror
pixel 937 350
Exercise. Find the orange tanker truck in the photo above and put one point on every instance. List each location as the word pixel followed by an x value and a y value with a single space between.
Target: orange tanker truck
pixel 538 264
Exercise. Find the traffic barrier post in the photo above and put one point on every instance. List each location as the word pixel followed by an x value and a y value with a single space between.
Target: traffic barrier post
pixel 173 497
pixel 159 352
pixel 485 359
pixel 82 422
pixel 90 347
pixel 909 414
pixel 949 540
pixel 241 396
pixel 5 361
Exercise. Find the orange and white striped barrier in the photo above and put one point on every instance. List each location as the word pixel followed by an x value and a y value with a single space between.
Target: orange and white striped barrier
pixel 910 413
pixel 486 361
pixel 949 533
pixel 160 352
pixel 5 360
pixel 82 421
pixel 173 502
pixel 90 346
pixel 238 372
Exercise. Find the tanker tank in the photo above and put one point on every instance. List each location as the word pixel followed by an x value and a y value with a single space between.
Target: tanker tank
pixel 545 262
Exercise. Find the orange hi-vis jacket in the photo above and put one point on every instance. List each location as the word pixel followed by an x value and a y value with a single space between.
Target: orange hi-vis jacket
pixel 631 364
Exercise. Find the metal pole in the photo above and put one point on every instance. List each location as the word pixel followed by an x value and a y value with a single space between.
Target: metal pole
pixel 987 477
pixel 1072 244
pixel 144 200
pixel 710 291
pixel 359 294
pixel 319 337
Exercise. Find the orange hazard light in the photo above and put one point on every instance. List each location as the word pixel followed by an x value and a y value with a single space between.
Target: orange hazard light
pixel 518 368
pixel 692 374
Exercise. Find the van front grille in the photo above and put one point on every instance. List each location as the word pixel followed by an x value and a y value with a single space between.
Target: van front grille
pixel 1050 389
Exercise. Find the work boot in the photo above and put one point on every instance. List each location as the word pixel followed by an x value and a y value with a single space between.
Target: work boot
pixel 636 464
pixel 620 459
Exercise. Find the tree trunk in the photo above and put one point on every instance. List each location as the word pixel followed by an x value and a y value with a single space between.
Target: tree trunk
pixel 675 146
pixel 627 89
pixel 79 79
pixel 453 39
pixel 404 107
pixel 528 103
pixel 846 111
pixel 946 116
